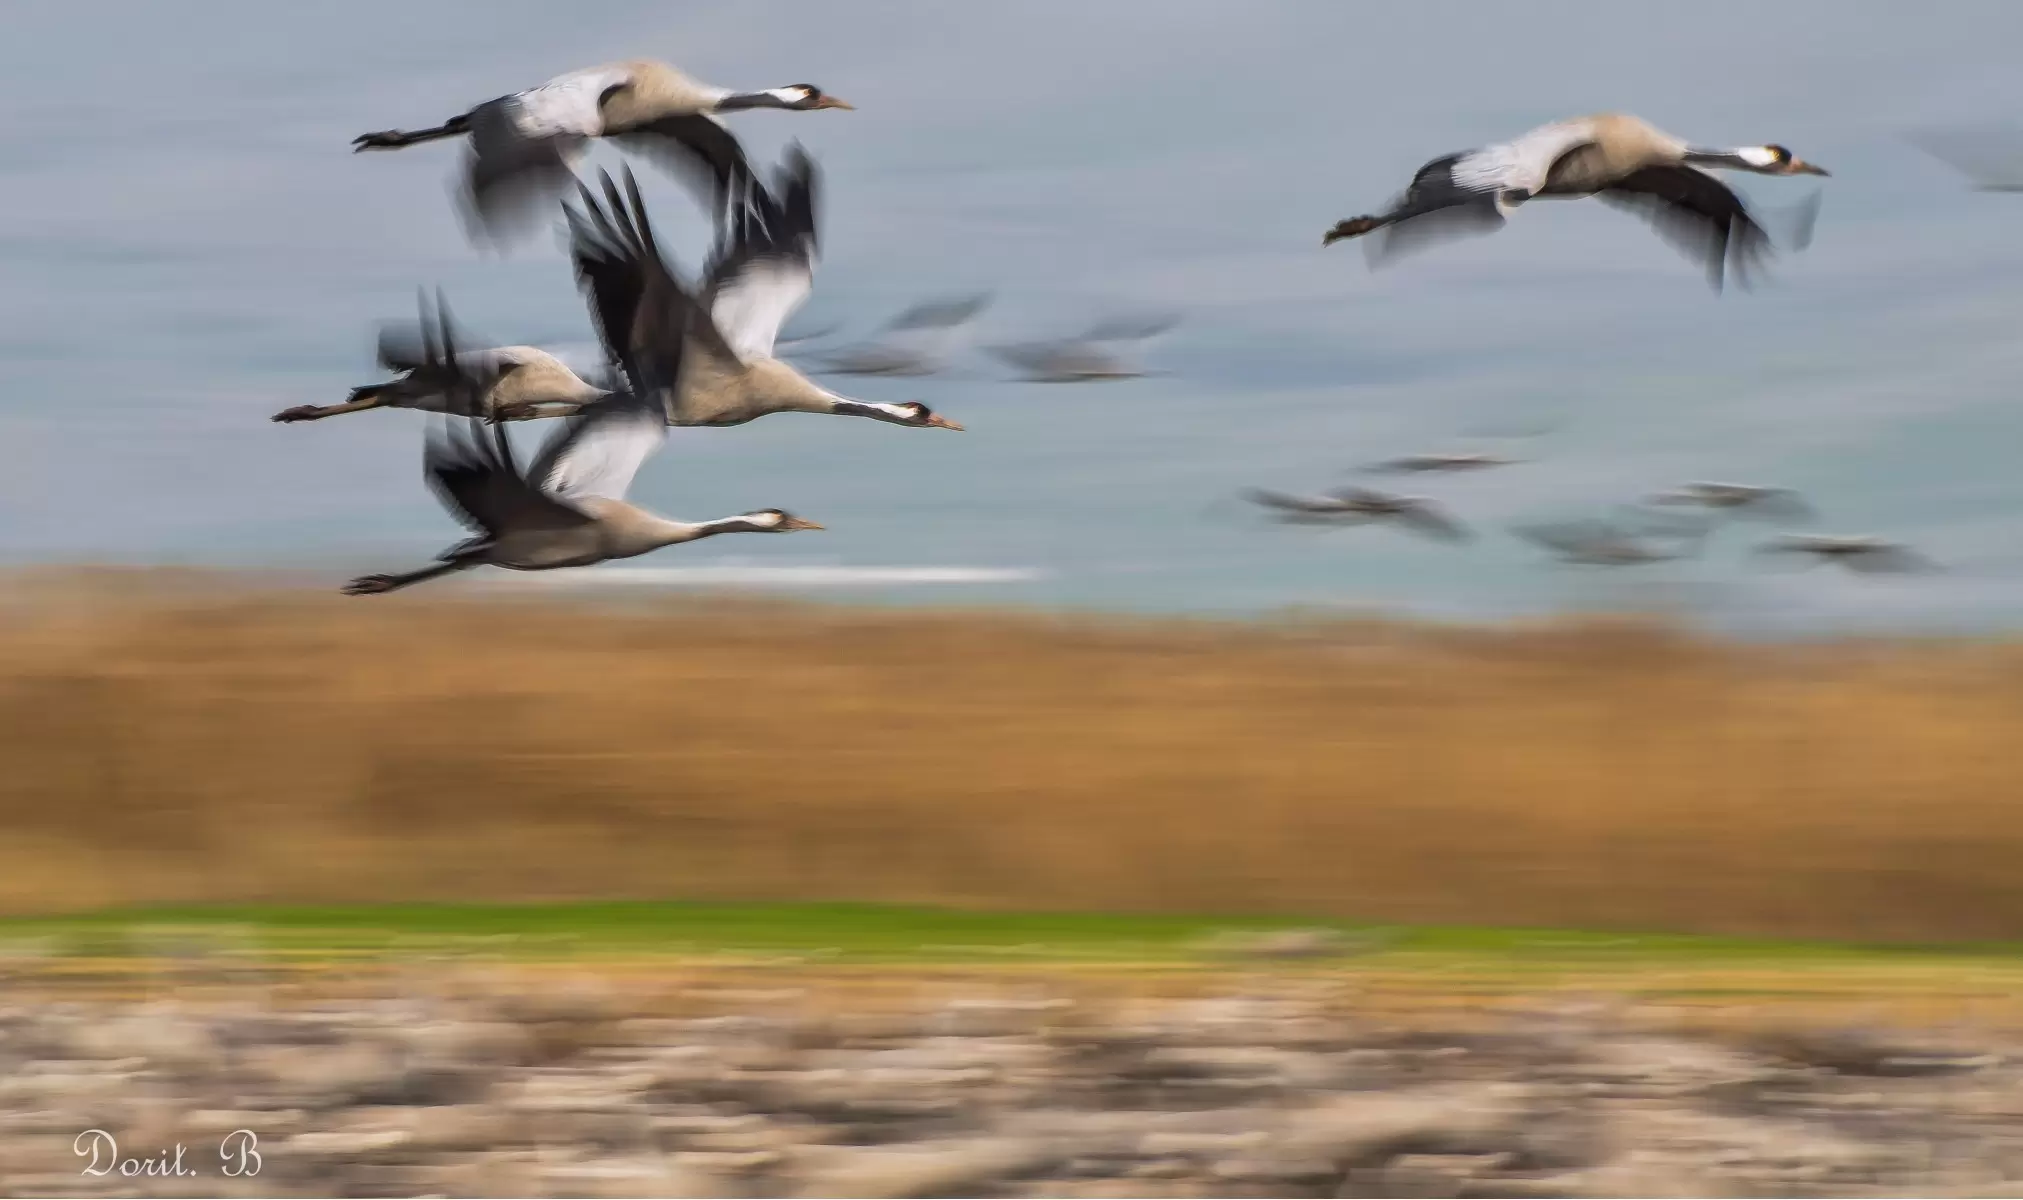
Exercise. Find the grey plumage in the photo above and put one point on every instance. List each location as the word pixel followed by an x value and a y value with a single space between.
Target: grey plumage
pixel 1620 159
pixel 522 380
pixel 568 508
pixel 523 146
pixel 707 356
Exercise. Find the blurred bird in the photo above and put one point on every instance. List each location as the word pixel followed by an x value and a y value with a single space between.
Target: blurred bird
pixel 527 381
pixel 1606 544
pixel 1440 462
pixel 708 357
pixel 926 326
pixel 523 146
pixel 568 509
pixel 1088 356
pixel 1857 552
pixel 1740 499
pixel 1622 159
pixel 1068 361
pixel 1130 327
pixel 945 312
pixel 1362 505
pixel 1991 159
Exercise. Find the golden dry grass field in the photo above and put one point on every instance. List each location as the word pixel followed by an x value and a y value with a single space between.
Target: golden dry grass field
pixel 171 738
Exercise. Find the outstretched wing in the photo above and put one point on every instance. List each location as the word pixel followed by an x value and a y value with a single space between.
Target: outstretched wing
pixel 764 266
pixel 599 450
pixel 695 148
pixel 470 467
pixel 1699 215
pixel 643 314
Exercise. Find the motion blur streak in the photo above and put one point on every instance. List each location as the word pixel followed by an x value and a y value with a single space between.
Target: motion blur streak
pixel 194 737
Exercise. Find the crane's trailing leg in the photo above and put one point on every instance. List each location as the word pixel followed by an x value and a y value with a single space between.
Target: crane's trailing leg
pixel 360 399
pixel 394 139
pixel 374 585
pixel 1354 227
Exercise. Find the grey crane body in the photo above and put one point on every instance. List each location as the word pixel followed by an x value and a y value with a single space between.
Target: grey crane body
pixel 707 356
pixel 520 380
pixel 523 146
pixel 1621 159
pixel 568 508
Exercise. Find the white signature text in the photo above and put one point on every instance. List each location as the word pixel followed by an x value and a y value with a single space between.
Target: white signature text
pixel 238 1155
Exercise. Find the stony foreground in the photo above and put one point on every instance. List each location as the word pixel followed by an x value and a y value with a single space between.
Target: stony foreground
pixel 463 1085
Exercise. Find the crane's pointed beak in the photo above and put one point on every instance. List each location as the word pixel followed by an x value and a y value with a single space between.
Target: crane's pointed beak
pixel 1800 167
pixel 796 523
pixel 937 421
pixel 833 102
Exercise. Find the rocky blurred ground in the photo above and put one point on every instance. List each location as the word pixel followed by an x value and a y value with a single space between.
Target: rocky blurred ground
pixel 455 1082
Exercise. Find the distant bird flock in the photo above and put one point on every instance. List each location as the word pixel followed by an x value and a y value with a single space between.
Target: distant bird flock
pixel 704 351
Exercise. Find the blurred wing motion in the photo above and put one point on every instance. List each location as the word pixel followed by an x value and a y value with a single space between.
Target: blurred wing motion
pixel 470 465
pixel 1699 215
pixel 1071 361
pixel 1425 519
pixel 1802 219
pixel 942 313
pixel 764 265
pixel 1304 505
pixel 1131 327
pixel 874 358
pixel 599 451
pixel 1864 554
pixel 1410 463
pixel 1992 159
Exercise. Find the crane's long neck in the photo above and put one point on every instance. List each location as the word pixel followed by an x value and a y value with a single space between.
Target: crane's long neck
pixel 805 395
pixel 673 533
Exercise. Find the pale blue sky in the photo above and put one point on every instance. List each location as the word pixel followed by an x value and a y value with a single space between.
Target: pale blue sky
pixel 189 246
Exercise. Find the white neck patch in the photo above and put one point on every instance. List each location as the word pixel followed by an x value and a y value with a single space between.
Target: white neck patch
pixel 1757 156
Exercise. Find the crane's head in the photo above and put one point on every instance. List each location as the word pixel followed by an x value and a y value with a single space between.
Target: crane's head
pixel 918 415
pixel 775 520
pixel 1776 160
